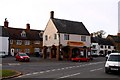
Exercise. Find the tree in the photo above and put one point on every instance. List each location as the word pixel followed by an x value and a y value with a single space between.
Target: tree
pixel 99 33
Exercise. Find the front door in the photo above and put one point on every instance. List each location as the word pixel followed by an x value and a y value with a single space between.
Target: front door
pixel 12 52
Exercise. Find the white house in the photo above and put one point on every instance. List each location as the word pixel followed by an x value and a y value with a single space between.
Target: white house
pixel 101 46
pixel 4 42
pixel 66 33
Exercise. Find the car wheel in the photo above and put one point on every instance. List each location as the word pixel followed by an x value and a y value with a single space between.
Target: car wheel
pixel 106 71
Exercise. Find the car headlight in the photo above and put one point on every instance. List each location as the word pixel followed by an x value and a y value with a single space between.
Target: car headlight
pixel 21 57
pixel 107 65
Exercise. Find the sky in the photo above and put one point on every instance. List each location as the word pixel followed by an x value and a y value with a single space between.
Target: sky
pixel 96 15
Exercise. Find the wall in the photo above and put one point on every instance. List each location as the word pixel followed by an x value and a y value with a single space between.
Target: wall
pixel 4 44
pixel 50 31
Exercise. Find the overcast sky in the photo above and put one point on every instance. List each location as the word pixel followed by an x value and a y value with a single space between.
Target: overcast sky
pixel 95 14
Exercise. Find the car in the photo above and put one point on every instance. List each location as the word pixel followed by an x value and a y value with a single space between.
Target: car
pixel 22 57
pixel 79 59
pixel 113 63
pixel 2 55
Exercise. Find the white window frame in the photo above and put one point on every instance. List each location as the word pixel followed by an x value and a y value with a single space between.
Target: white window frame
pixel 83 38
pixel 11 41
pixel 36 42
pixel 66 36
pixel 18 42
pixel 27 50
pixel 27 42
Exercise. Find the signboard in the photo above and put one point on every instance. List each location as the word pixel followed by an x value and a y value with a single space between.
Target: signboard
pixel 77 44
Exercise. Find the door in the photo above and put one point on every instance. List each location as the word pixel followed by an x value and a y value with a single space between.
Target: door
pixel 12 52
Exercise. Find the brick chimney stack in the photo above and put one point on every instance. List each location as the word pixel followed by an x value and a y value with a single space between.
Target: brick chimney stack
pixel 52 14
pixel 28 26
pixel 6 23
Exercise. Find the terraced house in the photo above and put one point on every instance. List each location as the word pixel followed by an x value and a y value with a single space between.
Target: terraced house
pixel 23 40
pixel 65 38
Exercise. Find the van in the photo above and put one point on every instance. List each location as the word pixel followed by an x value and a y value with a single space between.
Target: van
pixel 113 63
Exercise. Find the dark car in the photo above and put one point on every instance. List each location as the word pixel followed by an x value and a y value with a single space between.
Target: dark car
pixel 22 57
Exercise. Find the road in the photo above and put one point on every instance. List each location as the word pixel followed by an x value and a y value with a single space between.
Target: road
pixel 60 69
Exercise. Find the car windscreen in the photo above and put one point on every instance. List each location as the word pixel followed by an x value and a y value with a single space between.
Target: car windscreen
pixel 114 58
pixel 23 54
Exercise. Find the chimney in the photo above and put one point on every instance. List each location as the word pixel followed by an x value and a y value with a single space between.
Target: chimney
pixel 28 26
pixel 52 14
pixel 6 23
pixel 118 34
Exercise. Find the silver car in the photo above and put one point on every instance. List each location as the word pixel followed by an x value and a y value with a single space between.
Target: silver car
pixel 2 55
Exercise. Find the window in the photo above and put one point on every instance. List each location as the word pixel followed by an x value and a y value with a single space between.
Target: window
pixel 83 38
pixel 41 34
pixel 94 46
pixel 101 46
pixel 11 41
pixel 18 50
pixel 23 34
pixel 55 36
pixel 19 42
pixel 36 42
pixel 46 37
pixel 36 49
pixel 66 37
pixel 27 50
pixel 109 47
pixel 27 42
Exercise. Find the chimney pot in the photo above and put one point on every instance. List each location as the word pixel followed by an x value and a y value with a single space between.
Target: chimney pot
pixel 52 14
pixel 28 26
pixel 6 23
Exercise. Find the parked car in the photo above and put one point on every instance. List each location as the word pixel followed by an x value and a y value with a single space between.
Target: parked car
pixel 22 57
pixel 2 55
pixel 79 59
pixel 113 63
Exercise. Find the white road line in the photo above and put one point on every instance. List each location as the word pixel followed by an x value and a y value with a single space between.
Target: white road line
pixel 41 72
pixel 69 75
pixel 47 71
pixel 12 64
pixel 53 70
pixel 96 69
pixel 35 73
pixel 61 69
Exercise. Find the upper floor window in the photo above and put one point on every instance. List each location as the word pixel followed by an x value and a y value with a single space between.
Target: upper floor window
pixel 94 46
pixel 27 50
pixel 41 34
pixel 19 42
pixel 18 50
pixel 55 36
pixel 23 34
pixel 83 38
pixel 46 37
pixel 101 46
pixel 27 42
pixel 11 41
pixel 66 36
pixel 36 42
pixel 109 47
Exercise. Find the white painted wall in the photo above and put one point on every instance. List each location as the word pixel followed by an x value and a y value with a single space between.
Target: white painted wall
pixel 76 38
pixel 4 44
pixel 50 30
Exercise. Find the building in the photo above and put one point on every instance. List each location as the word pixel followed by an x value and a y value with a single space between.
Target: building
pixel 23 40
pixel 101 46
pixel 65 38
pixel 4 41
pixel 115 40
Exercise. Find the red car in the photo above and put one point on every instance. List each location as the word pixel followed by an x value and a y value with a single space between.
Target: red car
pixel 22 57
pixel 80 59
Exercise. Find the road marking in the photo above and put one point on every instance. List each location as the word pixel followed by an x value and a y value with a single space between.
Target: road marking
pixel 47 71
pixel 41 72
pixel 69 75
pixel 96 69
pixel 35 72
pixel 13 64
pixel 53 70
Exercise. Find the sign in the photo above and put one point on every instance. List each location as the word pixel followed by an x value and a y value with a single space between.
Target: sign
pixel 77 44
